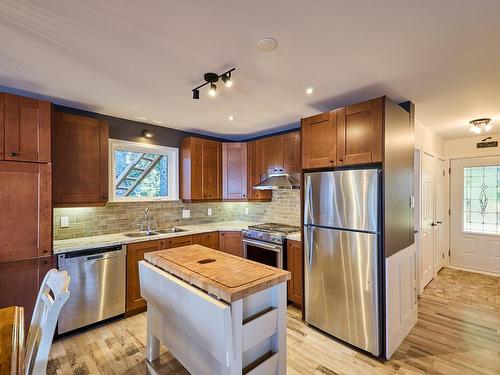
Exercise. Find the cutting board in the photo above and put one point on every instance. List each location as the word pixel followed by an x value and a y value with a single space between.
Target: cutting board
pixel 226 276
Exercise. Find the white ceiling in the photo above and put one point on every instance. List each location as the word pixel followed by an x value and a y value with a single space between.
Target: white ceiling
pixel 140 59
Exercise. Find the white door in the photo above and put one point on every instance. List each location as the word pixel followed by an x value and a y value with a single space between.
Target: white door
pixel 428 224
pixel 475 213
pixel 440 216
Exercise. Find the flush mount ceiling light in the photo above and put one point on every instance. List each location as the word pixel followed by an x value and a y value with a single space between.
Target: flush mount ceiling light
pixel 477 126
pixel 309 91
pixel 146 133
pixel 267 44
pixel 211 79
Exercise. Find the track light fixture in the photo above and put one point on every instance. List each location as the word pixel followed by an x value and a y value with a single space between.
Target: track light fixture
pixel 211 79
pixel 226 78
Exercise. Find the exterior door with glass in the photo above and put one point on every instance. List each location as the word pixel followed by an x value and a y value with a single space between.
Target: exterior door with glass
pixel 475 213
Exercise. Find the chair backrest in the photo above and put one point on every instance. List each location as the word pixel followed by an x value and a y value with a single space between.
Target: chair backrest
pixel 52 296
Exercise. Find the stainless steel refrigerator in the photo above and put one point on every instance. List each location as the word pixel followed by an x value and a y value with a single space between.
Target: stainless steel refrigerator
pixel 342 254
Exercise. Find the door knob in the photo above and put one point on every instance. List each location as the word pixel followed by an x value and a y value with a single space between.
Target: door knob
pixel 440 222
pixel 433 224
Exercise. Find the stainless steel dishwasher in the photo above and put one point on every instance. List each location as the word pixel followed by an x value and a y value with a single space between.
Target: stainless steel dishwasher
pixel 97 287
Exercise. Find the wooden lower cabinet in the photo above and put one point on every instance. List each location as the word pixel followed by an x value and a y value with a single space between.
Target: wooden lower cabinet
pixel 20 282
pixel 210 239
pixel 295 264
pixel 135 253
pixel 230 242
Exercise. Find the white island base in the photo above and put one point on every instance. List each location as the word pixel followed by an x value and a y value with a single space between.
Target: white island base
pixel 210 336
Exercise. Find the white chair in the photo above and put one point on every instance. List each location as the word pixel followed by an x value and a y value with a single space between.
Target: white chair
pixel 52 296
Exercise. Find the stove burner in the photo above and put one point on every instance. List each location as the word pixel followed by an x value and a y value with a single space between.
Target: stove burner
pixel 276 228
pixel 270 232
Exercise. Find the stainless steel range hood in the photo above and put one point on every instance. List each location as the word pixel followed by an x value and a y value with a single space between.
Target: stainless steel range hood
pixel 279 182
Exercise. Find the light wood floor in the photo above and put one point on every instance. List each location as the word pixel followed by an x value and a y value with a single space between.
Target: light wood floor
pixel 458 332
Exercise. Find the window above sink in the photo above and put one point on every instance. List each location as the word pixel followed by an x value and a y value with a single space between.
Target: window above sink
pixel 142 172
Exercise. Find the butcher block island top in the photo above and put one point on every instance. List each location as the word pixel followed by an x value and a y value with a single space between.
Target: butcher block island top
pixel 227 277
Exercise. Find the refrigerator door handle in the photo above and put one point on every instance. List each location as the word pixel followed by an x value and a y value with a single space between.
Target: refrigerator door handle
pixel 311 242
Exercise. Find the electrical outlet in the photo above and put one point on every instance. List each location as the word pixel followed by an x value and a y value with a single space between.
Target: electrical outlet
pixel 186 214
pixel 246 210
pixel 209 212
pixel 64 222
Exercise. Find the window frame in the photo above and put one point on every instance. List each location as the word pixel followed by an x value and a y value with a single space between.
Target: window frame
pixel 172 154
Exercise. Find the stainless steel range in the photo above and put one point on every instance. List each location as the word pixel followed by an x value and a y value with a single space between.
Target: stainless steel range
pixel 264 243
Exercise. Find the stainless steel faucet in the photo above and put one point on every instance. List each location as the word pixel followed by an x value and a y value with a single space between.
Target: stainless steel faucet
pixel 147 218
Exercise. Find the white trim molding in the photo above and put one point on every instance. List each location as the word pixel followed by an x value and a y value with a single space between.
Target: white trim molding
pixel 172 154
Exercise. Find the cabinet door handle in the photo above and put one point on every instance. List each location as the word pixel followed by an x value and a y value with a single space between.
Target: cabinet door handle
pixel 331 161
pixel 341 160
pixel 44 262
pixel 13 154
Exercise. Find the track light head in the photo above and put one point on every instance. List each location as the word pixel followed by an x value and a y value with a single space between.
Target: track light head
pixel 226 78
pixel 196 94
pixel 213 90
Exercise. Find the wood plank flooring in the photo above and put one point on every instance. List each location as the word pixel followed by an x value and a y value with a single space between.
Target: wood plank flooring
pixel 458 332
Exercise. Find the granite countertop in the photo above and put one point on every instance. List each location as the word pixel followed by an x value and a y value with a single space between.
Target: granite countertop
pixel 228 277
pixel 94 242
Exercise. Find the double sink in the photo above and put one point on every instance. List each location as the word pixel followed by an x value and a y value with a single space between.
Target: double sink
pixel 154 233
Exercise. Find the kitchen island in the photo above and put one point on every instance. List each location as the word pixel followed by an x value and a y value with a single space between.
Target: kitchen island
pixel 216 313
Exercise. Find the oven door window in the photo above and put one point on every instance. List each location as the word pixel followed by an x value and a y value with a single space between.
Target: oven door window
pixel 262 255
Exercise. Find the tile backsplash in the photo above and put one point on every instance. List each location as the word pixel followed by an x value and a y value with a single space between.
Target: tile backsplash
pixel 123 217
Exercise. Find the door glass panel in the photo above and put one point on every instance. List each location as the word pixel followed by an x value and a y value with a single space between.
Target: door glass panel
pixel 481 198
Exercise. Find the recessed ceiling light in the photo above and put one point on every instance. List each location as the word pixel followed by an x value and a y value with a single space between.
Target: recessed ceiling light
pixel 231 117
pixel 309 90
pixel 267 44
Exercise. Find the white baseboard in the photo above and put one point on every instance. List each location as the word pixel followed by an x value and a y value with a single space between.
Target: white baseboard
pixel 459 268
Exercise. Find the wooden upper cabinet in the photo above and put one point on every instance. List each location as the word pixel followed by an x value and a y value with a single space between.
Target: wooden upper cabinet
pixel 272 154
pixel 200 169
pixel 319 140
pixel 80 160
pixel 234 171
pixel 255 172
pixel 360 138
pixel 291 152
pixel 26 214
pixel 27 127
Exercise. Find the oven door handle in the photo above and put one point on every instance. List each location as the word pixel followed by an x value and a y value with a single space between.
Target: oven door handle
pixel 263 245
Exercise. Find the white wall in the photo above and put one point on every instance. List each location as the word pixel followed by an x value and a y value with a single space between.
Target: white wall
pixel 466 147
pixel 428 141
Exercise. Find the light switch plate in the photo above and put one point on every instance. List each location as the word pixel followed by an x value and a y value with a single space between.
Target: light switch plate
pixel 186 214
pixel 209 212
pixel 246 210
pixel 412 201
pixel 64 222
